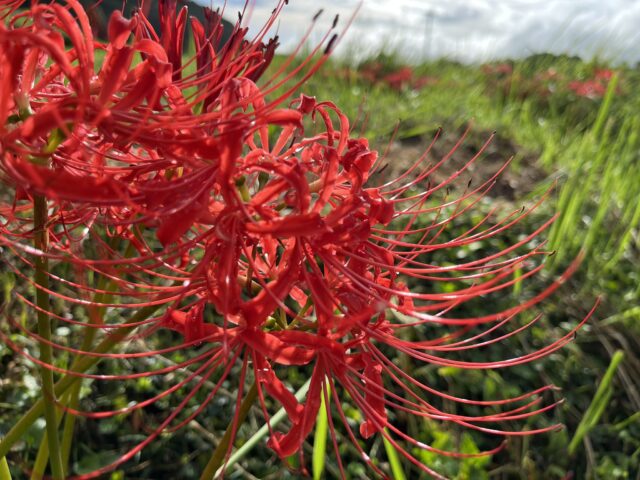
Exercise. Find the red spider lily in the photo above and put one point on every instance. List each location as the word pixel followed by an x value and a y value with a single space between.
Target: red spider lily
pixel 588 88
pixel 603 74
pixel 296 261
pixel 423 81
pixel 127 136
pixel 594 87
pixel 335 260
pixel 499 69
pixel 398 79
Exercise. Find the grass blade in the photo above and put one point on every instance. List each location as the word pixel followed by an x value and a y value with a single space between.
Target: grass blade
pixel 320 440
pixel 5 474
pixel 598 404
pixel 394 461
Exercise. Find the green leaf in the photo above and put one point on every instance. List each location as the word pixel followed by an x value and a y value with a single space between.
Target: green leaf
pixel 320 439
pixel 517 286
pixel 449 371
pixel 394 461
pixel 5 474
pixel 598 404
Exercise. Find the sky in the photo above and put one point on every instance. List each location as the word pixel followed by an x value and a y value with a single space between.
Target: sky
pixel 465 30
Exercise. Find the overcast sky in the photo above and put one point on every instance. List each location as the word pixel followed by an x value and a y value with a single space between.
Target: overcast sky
pixel 468 30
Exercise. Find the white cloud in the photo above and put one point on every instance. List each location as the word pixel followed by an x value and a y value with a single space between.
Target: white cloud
pixel 469 30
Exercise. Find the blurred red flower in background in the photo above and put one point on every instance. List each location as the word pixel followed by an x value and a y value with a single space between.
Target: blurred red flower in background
pixel 588 88
pixel 594 87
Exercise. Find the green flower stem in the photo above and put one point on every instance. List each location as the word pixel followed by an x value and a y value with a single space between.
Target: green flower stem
pixel 80 365
pixel 42 458
pixel 95 315
pixel 5 474
pixel 217 458
pixel 72 397
pixel 73 402
pixel 44 330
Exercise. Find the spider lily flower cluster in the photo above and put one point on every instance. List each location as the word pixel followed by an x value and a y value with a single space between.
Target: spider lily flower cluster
pixel 198 195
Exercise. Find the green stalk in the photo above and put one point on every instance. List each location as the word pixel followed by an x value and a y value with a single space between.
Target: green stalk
pixel 42 458
pixel 5 474
pixel 80 365
pixel 217 458
pixel 87 343
pixel 44 330
pixel 625 423
pixel 73 402
pixel 603 113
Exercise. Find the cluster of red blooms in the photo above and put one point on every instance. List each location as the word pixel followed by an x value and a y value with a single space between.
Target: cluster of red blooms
pixel 185 189
pixel 594 87
pixel 498 69
pixel 507 82
pixel 503 78
pixel 398 78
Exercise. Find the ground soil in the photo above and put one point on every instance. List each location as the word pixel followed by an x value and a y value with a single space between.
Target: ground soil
pixel 519 178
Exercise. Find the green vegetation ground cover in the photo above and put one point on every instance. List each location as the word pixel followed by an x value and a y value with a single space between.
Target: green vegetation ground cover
pixel 583 147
